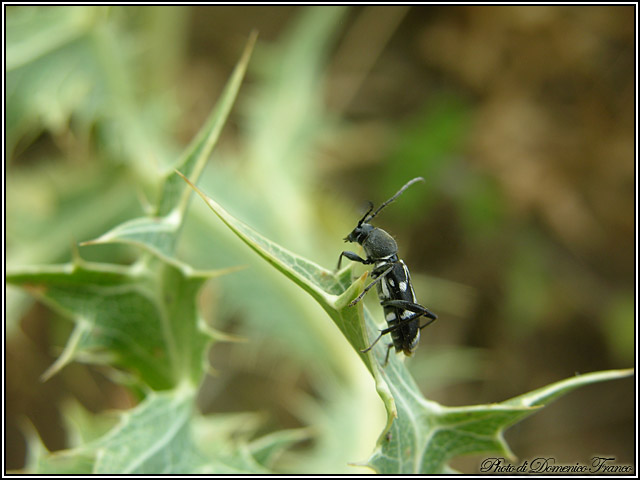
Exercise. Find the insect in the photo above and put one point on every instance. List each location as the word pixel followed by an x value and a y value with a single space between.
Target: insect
pixel 395 291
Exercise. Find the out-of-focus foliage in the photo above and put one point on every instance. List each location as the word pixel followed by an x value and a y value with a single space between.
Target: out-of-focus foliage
pixel 520 118
pixel 278 311
pixel 143 320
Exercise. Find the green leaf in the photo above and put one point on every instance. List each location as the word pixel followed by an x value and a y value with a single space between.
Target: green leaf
pixel 545 395
pixel 331 291
pixel 158 233
pixel 141 318
pixel 156 437
pixel 421 436
pixel 442 433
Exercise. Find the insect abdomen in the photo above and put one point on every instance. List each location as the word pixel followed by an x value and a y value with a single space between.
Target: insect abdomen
pixel 406 337
pixel 397 286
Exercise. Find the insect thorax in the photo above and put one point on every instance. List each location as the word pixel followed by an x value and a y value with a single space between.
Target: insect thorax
pixel 379 244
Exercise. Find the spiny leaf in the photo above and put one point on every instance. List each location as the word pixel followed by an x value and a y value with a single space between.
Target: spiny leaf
pixel 442 433
pixel 545 395
pixel 155 234
pixel 421 436
pixel 156 437
pixel 142 318
pixel 332 290
pixel 158 233
pixel 72 350
pixel 197 153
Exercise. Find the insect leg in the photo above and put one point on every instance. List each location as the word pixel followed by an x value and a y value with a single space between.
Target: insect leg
pixel 354 257
pixel 391 329
pixel 368 287
pixel 386 358
pixel 431 320
pixel 411 306
pixel 371 346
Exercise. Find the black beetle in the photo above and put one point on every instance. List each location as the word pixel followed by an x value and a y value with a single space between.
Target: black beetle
pixel 395 291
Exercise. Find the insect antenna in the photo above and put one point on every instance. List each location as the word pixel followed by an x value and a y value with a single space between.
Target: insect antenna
pixel 368 217
pixel 362 220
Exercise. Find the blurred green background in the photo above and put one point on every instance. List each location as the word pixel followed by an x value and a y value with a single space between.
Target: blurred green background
pixel 521 120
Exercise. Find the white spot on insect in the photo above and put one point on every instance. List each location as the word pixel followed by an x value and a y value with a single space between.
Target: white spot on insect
pixel 403 286
pixel 391 316
pixel 406 314
pixel 391 282
pixel 385 289
pixel 414 343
